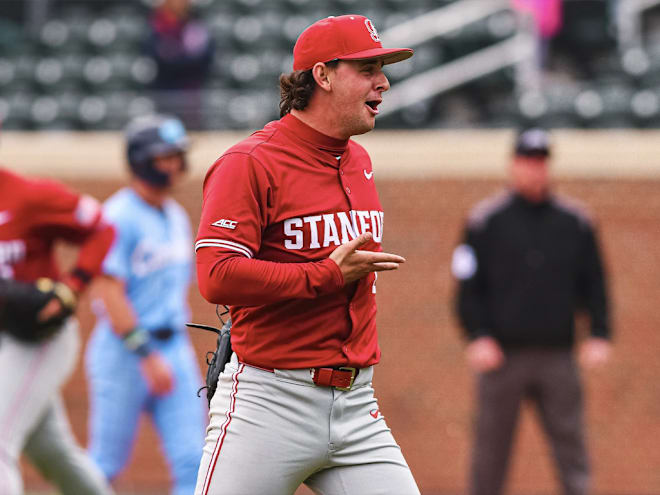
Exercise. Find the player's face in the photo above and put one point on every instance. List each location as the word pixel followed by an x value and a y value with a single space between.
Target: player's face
pixel 530 177
pixel 357 88
pixel 170 164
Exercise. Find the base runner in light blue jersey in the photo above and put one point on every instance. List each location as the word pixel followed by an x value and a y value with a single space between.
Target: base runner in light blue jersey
pixel 139 358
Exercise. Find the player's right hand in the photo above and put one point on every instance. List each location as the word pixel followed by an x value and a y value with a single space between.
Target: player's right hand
pixel 595 352
pixel 157 373
pixel 355 264
pixel 484 354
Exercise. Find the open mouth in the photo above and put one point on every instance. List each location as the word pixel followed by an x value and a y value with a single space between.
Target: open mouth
pixel 373 106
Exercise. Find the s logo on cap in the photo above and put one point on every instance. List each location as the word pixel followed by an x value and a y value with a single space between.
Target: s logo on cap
pixel 372 30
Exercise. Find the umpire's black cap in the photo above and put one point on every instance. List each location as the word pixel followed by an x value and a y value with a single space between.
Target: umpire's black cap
pixel 533 142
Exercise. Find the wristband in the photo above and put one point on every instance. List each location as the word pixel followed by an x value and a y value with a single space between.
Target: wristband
pixel 137 341
pixel 78 279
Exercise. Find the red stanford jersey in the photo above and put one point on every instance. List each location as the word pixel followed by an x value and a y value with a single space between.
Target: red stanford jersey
pixel 33 215
pixel 275 207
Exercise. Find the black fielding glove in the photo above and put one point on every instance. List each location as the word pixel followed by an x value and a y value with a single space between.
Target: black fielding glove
pixel 21 303
pixel 217 359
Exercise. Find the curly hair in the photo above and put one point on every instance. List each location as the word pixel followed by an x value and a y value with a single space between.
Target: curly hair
pixel 297 88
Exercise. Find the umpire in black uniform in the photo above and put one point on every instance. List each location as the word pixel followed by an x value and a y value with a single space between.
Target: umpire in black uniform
pixel 528 262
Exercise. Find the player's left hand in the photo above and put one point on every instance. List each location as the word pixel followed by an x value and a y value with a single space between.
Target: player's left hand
pixel 62 302
pixel 157 373
pixel 53 308
pixel 595 352
pixel 355 264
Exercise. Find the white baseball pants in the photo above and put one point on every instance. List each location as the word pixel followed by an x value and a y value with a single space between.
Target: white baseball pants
pixel 270 432
pixel 32 417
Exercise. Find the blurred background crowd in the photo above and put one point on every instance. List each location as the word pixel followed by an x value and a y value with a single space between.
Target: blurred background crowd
pixel 92 64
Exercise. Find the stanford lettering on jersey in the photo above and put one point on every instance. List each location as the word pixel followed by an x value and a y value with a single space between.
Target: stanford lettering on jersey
pixel 12 251
pixel 318 231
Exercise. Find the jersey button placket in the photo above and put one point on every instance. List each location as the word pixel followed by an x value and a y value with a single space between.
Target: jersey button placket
pixel 347 187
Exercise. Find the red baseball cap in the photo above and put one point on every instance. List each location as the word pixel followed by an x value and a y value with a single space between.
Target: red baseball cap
pixel 346 37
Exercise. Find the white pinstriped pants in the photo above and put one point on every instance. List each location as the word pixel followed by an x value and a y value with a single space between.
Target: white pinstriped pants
pixel 271 432
pixel 33 419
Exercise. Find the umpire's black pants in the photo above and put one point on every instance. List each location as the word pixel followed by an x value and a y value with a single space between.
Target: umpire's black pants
pixel 550 379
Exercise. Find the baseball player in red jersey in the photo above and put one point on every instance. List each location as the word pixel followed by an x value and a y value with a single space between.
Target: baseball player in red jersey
pixel 290 237
pixel 34 214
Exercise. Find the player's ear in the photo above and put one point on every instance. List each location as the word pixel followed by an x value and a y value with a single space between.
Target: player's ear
pixel 322 75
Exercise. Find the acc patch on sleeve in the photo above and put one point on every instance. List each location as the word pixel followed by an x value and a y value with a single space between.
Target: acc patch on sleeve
pixel 464 262
pixel 225 223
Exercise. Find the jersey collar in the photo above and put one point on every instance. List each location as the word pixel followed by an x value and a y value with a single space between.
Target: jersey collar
pixel 314 137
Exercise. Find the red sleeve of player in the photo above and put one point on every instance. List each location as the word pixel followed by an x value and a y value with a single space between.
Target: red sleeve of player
pixel 60 213
pixel 238 195
pixel 90 257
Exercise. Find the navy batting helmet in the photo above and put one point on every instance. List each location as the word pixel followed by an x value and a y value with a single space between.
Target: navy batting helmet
pixel 151 136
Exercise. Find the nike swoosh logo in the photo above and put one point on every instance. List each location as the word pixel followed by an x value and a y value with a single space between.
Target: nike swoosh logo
pixel 5 216
pixel 374 413
pixel 368 175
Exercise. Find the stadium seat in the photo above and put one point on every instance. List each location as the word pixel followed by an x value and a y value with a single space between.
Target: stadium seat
pixel 606 106
pixel 93 113
pixel 48 72
pixel 248 31
pixel 102 34
pixel 245 70
pixel 44 111
pixel 97 72
pixel 553 107
pixel 55 36
pixel 645 108
pixel 140 104
pixel 143 71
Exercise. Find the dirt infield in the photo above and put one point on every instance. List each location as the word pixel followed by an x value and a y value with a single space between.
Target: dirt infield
pixel 423 385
